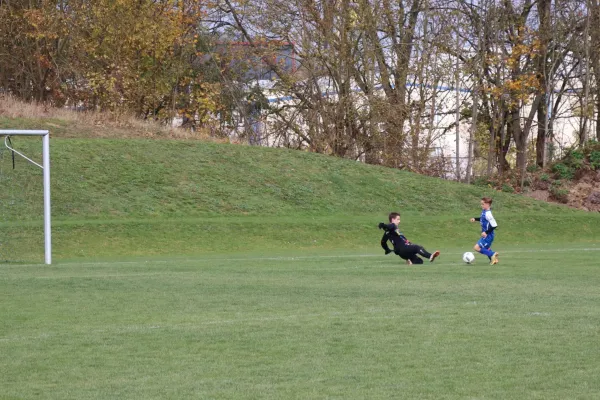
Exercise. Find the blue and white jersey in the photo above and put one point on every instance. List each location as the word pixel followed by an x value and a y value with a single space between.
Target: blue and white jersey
pixel 487 221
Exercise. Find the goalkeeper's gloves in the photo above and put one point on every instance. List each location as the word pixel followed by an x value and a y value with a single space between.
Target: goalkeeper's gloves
pixel 381 225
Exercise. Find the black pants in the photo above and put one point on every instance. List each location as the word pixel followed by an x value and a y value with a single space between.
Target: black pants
pixel 412 252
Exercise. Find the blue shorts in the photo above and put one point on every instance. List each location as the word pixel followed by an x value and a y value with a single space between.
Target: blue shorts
pixel 486 242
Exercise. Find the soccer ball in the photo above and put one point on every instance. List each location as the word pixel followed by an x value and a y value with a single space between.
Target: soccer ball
pixel 468 257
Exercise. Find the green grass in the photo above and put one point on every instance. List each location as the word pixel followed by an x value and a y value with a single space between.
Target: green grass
pixel 347 326
pixel 104 177
pixel 186 269
pixel 143 238
pixel 127 198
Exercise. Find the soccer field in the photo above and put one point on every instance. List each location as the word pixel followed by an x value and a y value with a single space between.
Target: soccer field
pixel 327 325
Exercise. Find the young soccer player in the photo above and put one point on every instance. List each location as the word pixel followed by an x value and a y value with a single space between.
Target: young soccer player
pixel 402 247
pixel 488 225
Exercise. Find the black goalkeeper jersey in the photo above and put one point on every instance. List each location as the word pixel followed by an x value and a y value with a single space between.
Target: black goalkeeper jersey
pixel 393 234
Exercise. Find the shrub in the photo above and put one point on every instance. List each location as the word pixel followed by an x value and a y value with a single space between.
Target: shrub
pixel 562 171
pixel 595 159
pixel 591 143
pixel 482 181
pixel 576 155
pixel 507 188
pixel 576 159
pixel 544 177
pixel 559 193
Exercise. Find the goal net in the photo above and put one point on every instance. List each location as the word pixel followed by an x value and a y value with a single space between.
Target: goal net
pixel 24 197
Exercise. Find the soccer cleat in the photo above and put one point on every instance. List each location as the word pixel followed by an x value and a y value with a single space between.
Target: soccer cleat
pixel 494 259
pixel 434 256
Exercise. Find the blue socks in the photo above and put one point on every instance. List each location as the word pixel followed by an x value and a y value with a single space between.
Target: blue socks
pixel 487 252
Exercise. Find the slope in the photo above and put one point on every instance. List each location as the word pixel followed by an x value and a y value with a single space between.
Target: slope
pixel 136 197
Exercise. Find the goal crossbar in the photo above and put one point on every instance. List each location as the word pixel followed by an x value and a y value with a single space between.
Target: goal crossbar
pixel 46 172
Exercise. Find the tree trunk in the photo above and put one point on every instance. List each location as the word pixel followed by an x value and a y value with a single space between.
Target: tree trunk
pixel 542 131
pixel 519 136
pixel 492 144
pixel 598 115
pixel 594 10
pixel 472 136
pixel 503 146
pixel 543 78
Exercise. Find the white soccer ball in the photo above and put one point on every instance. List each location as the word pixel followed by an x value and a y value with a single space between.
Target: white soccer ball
pixel 468 257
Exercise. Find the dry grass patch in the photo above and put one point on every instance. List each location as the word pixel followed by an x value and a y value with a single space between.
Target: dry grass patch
pixel 64 122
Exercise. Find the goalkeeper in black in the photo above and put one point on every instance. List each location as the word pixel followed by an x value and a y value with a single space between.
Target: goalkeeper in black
pixel 402 247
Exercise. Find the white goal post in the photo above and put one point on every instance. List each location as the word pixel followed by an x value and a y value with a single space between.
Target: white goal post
pixel 45 166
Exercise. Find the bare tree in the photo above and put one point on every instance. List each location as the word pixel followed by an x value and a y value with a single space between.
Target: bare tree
pixel 594 53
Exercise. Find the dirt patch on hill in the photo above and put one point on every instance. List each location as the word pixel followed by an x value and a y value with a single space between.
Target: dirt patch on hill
pixel 582 193
pixel 542 195
pixel 585 193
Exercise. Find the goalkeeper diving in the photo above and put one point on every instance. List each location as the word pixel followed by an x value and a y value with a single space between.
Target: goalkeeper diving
pixel 408 251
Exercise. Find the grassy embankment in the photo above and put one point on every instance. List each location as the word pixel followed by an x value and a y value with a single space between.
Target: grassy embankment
pixel 131 197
